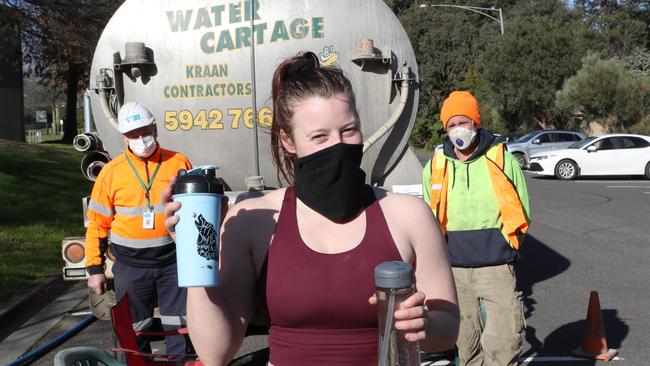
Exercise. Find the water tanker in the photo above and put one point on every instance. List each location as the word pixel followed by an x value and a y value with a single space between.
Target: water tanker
pixel 204 68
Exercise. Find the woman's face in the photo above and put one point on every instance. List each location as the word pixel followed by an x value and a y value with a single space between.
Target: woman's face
pixel 319 123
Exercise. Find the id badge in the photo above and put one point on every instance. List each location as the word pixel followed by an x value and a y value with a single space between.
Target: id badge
pixel 147 219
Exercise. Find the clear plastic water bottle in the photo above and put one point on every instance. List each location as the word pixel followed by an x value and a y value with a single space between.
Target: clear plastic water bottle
pixel 394 284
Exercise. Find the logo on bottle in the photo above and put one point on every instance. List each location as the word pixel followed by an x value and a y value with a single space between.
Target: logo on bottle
pixel 206 243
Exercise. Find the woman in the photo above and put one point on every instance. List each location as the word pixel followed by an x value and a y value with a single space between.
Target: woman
pixel 309 251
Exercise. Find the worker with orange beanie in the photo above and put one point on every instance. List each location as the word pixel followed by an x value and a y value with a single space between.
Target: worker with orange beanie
pixel 478 193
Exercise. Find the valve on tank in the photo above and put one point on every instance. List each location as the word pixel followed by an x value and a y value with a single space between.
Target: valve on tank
pixel 137 63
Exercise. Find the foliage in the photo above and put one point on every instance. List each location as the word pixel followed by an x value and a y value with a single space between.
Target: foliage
pixel 516 76
pixel 399 6
pixel 606 91
pixel 446 41
pixel 620 26
pixel 638 61
pixel 527 65
pixel 643 127
pixel 41 192
pixel 59 39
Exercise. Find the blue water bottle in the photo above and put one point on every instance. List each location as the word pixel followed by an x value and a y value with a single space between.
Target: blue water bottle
pixel 197 231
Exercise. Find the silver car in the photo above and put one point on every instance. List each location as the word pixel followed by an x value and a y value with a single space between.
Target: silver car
pixel 536 142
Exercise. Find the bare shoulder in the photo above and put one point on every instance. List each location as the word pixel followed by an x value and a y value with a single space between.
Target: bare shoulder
pixel 249 226
pixel 271 200
pixel 401 204
pixel 255 212
pixel 403 210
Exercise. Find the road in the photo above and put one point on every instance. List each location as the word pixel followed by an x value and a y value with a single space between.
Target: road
pixel 589 234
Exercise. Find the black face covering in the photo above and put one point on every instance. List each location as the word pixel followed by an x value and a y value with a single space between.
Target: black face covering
pixel 332 183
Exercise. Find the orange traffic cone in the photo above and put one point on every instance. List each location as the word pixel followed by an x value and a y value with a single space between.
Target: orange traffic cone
pixel 594 345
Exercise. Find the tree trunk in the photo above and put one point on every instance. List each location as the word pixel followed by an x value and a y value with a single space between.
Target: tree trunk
pixel 70 122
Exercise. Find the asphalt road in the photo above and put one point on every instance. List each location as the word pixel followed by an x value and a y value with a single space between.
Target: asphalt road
pixel 589 234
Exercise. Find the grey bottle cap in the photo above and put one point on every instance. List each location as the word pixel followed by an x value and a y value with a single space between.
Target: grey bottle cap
pixel 394 274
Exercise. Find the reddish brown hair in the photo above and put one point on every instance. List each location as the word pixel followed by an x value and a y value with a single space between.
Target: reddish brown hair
pixel 296 79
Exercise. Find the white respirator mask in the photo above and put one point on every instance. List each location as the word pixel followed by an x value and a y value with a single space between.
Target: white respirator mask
pixel 143 146
pixel 462 137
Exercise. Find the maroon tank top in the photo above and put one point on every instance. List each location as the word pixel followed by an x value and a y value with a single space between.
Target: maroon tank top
pixel 318 303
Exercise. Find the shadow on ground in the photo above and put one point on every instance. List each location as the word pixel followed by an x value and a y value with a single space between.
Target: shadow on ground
pixel 539 262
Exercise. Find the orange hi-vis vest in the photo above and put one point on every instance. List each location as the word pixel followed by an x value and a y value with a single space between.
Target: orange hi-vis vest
pixel 510 207
pixel 118 203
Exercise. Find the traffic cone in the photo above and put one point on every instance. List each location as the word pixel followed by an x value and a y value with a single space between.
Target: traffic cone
pixel 594 345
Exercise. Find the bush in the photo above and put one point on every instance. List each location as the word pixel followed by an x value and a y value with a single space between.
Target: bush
pixel 606 90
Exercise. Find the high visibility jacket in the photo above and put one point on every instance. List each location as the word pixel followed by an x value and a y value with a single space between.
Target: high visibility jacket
pixel 485 218
pixel 117 205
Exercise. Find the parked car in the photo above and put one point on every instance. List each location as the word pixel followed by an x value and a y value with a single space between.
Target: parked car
pixel 507 138
pixel 614 154
pixel 536 142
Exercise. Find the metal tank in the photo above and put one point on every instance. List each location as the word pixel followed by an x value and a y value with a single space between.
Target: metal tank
pixel 204 68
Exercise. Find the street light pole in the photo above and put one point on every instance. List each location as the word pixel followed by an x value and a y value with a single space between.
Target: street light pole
pixel 476 9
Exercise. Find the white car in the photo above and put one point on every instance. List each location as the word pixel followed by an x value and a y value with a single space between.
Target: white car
pixel 615 154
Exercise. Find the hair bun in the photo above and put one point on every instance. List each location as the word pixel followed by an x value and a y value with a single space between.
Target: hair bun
pixel 306 62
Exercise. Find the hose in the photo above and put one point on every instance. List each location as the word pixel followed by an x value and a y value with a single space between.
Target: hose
pixel 57 341
pixel 404 94
pixel 104 99
pixel 88 115
pixel 87 141
pixel 92 163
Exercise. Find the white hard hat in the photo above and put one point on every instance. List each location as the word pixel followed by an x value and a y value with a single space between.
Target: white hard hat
pixel 133 115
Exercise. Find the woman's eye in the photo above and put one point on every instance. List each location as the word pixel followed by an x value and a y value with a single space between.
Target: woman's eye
pixel 350 130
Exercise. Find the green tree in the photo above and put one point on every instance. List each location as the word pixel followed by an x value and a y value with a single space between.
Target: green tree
pixel 59 39
pixel 447 42
pixel 619 26
pixel 527 66
pixel 399 6
pixel 638 61
pixel 607 92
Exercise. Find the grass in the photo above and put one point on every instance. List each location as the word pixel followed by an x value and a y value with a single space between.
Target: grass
pixel 41 187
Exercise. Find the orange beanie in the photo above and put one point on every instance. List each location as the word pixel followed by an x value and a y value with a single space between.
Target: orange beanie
pixel 460 103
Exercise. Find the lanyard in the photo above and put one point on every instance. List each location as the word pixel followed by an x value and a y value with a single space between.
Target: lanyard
pixel 148 186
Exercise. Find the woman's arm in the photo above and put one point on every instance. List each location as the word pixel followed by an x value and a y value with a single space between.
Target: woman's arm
pixel 218 316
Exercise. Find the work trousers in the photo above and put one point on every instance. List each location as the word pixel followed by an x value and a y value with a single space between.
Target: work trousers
pixel 148 287
pixel 494 337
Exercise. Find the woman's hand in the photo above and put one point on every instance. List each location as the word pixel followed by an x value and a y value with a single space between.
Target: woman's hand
pixel 170 208
pixel 410 317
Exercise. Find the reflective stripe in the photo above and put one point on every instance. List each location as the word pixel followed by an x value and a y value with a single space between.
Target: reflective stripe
pixel 99 208
pixel 436 187
pixel 173 320
pixel 138 210
pixel 140 243
pixel 142 324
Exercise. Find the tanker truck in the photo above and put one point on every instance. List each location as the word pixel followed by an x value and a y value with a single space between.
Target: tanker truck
pixel 204 68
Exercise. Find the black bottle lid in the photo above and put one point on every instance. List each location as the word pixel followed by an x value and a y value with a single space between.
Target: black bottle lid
pixel 198 180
